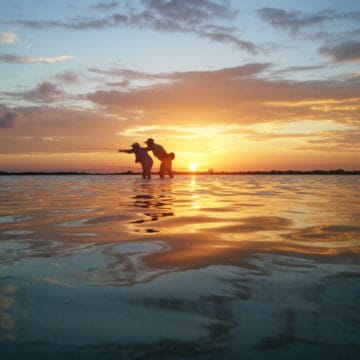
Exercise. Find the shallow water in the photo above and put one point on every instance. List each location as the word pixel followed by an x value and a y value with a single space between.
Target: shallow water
pixel 205 267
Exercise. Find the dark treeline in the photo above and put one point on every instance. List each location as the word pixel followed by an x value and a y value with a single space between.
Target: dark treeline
pixel 209 172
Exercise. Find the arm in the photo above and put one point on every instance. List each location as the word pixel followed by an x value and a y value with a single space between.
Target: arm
pixel 126 151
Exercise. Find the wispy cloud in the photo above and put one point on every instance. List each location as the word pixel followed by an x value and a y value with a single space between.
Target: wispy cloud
pixel 294 21
pixel 43 92
pixel 205 18
pixel 67 77
pixel 7 117
pixel 129 74
pixel 292 69
pixel 105 5
pixel 333 141
pixel 247 70
pixel 17 59
pixel 190 11
pixel 8 38
pixel 343 52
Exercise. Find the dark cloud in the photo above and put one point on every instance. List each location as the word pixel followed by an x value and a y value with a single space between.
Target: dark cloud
pixel 7 118
pixel 346 51
pixel 293 21
pixel 82 23
pixel 230 39
pixel 105 5
pixel 190 11
pixel 68 77
pixel 201 17
pixel 43 92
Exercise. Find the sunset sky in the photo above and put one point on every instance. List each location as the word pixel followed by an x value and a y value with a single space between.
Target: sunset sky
pixel 228 85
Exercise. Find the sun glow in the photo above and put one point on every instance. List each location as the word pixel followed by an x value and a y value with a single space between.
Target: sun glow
pixel 193 166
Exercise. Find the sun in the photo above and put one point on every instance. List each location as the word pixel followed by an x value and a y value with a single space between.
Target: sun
pixel 193 166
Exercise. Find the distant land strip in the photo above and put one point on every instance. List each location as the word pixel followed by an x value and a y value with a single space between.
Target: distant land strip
pixel 210 172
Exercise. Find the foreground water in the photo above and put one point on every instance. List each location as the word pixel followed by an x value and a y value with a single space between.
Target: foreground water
pixel 207 267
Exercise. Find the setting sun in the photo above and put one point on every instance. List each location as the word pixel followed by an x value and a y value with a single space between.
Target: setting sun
pixel 193 166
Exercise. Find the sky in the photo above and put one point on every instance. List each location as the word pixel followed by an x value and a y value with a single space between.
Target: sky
pixel 233 85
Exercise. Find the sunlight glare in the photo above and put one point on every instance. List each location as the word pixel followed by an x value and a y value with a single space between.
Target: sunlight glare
pixel 193 166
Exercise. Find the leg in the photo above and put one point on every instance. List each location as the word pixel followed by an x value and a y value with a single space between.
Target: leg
pixel 162 170
pixel 170 172
pixel 167 167
pixel 147 169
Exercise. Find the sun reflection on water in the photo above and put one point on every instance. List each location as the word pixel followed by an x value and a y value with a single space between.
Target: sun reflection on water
pixel 195 252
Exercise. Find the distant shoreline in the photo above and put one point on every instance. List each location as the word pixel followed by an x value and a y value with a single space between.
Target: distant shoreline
pixel 272 172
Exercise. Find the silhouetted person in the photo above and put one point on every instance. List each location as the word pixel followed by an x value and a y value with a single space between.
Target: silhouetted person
pixel 165 158
pixel 142 157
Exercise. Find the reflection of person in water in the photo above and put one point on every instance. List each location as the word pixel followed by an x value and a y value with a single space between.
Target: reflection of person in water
pixel 142 157
pixel 165 158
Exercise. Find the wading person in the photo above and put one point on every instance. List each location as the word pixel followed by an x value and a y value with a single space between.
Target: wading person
pixel 165 158
pixel 142 157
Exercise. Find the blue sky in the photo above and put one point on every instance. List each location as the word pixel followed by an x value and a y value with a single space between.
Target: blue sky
pixel 57 56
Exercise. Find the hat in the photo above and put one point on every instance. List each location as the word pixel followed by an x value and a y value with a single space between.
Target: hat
pixel 149 140
pixel 135 145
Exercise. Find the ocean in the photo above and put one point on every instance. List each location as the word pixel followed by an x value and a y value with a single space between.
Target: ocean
pixel 195 267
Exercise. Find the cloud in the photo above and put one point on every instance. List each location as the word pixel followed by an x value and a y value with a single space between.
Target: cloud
pixel 129 74
pixel 8 38
pixel 351 137
pixel 190 11
pixel 75 24
pixel 293 21
pixel 43 92
pixel 7 118
pixel 105 6
pixel 230 39
pixel 292 69
pixel 124 83
pixel 239 71
pixel 16 59
pixel 334 141
pixel 67 77
pixel 60 130
pixel 343 52
pixel 204 18
pixel 235 95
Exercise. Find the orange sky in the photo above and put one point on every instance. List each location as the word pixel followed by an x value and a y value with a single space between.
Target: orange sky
pixel 274 94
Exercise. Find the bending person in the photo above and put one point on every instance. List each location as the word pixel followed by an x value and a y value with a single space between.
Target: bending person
pixel 165 158
pixel 142 157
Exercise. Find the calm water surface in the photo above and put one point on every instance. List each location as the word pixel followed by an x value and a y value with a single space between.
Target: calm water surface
pixel 206 267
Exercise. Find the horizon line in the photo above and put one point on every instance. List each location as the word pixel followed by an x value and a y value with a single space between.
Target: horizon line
pixel 209 172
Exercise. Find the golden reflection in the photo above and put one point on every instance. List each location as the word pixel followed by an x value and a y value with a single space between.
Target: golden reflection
pixel 250 242
pixel 6 302
pixel 7 322
pixel 198 219
pixel 193 184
